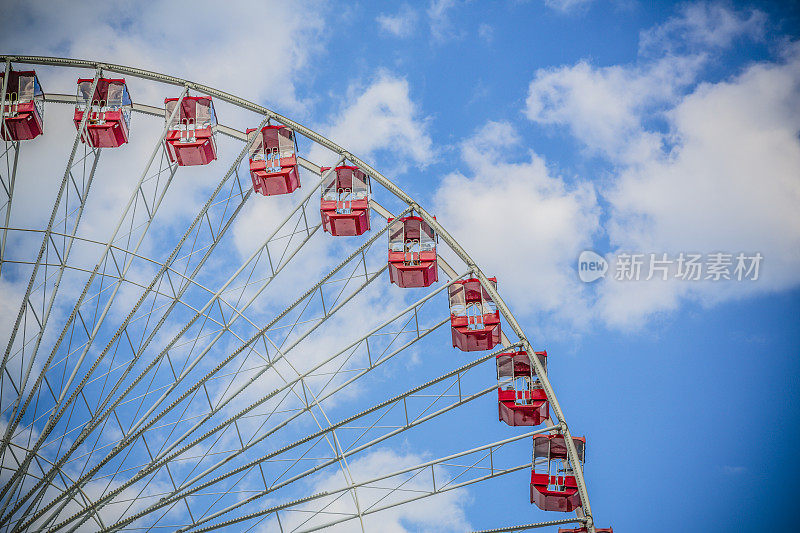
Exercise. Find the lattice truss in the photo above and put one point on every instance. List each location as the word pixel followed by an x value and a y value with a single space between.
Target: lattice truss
pixel 157 379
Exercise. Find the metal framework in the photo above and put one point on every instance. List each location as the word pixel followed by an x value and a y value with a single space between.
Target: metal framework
pixel 168 393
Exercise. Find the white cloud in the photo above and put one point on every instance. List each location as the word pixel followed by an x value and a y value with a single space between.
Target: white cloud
pixel 702 26
pixel 128 502
pixel 731 184
pixel 605 107
pixel 202 42
pixel 404 22
pixel 400 24
pixel 719 171
pixel 441 513
pixel 10 299
pixel 382 116
pixel 439 19
pixel 567 5
pixel 522 223
pixel 602 107
pixel 486 32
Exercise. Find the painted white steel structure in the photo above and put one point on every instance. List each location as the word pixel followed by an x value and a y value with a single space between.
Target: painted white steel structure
pixel 52 364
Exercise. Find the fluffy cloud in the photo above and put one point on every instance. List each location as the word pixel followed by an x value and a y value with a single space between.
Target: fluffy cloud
pixel 175 39
pixel 718 173
pixel 439 19
pixel 401 24
pixel 731 183
pixel 437 16
pixel 382 116
pixel 606 108
pixel 521 222
pixel 567 5
pixel 602 107
pixel 442 513
pixel 701 27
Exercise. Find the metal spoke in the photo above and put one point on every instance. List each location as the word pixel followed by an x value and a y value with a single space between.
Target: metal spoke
pixel 493 471
pixel 537 525
pixel 28 303
pixel 195 227
pixel 140 427
pixel 254 257
pixel 9 173
pixel 129 212
pixel 406 420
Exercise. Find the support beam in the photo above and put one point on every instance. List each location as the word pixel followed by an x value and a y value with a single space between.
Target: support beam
pixel 129 211
pixel 10 487
pixel 63 405
pixel 408 420
pixel 141 426
pixel 487 449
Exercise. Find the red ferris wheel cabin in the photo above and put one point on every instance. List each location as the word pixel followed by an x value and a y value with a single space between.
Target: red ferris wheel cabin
pixel 109 111
pixel 553 484
pixel 273 160
pixel 24 106
pixel 344 206
pixel 474 319
pixel 522 402
pixel 412 252
pixel 583 530
pixel 190 134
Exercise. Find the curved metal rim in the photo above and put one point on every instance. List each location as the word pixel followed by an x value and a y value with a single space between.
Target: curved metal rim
pixel 562 426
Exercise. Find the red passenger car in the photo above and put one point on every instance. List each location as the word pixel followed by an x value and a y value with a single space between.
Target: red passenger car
pixel 273 160
pixel 24 109
pixel 190 135
pixel 556 491
pixel 474 319
pixel 344 206
pixel 522 402
pixel 412 252
pixel 583 530
pixel 109 111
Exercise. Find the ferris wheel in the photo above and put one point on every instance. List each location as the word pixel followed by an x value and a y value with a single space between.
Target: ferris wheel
pixel 188 351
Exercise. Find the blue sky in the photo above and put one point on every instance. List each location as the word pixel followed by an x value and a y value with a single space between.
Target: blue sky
pixel 535 130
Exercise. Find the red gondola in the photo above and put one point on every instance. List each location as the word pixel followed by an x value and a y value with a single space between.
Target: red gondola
pixel 412 252
pixel 555 492
pixel 24 109
pixel 273 160
pixel 583 530
pixel 474 319
pixel 190 135
pixel 109 111
pixel 345 201
pixel 523 401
